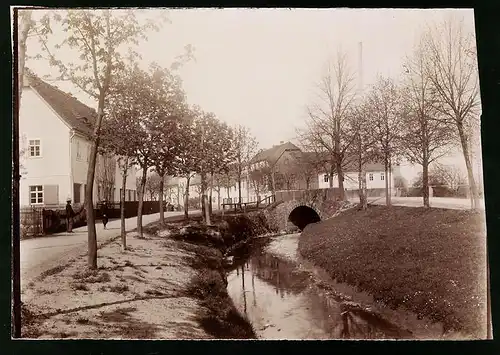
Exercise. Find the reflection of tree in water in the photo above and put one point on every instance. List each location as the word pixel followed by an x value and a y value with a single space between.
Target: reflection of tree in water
pixel 279 273
pixel 243 289
pixel 359 324
pixel 343 321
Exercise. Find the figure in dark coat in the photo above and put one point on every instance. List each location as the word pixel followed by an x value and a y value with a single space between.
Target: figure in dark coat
pixel 69 216
pixel 104 211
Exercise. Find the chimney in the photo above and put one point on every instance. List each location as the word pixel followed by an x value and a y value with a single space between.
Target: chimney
pixel 360 68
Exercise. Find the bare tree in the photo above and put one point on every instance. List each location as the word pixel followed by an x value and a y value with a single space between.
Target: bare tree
pixel 259 179
pixel 364 147
pixel 452 69
pixel 386 122
pixel 425 138
pixel 244 146
pixel 153 185
pixel 288 172
pixel 105 176
pixel 328 117
pixel 25 25
pixel 307 168
pixel 450 175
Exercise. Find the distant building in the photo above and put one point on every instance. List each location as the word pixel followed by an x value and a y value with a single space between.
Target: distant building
pixel 54 138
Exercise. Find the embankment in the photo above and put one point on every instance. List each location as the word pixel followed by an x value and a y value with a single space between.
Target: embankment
pixel 428 261
pixel 207 245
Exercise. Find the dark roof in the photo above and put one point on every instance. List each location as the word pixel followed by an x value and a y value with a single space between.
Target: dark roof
pixel 76 114
pixel 271 155
pixel 349 166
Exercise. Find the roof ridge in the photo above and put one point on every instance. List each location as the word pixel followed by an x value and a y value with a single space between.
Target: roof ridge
pixel 74 112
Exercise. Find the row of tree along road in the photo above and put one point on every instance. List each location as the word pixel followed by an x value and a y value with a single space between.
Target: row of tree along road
pixel 142 115
pixel 434 108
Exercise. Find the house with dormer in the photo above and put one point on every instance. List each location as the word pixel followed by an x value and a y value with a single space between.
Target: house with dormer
pixel 55 132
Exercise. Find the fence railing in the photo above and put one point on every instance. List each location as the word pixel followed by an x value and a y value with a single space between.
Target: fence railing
pixel 38 221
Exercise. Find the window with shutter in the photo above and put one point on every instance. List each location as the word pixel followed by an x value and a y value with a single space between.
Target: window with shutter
pixel 76 193
pixel 51 194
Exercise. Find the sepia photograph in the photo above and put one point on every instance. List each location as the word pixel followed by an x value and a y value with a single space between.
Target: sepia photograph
pixel 248 173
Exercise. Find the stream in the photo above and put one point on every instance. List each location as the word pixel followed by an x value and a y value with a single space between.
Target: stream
pixel 283 300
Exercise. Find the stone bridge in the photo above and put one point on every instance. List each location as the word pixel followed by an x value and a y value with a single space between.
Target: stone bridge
pixel 298 208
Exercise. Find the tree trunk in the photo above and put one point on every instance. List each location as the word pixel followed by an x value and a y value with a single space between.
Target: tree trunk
pixel 273 181
pixel 330 175
pixel 425 181
pixel 340 175
pixel 204 199
pixel 122 209
pixel 363 203
pixel 386 178
pixel 186 199
pixel 142 191
pixel 210 207
pixel 218 198
pixel 160 199
pixel 363 188
pixel 89 198
pixel 239 184
pixel 24 23
pixel 468 164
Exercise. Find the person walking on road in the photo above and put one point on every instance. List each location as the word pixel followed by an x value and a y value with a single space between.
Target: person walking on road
pixel 69 216
pixel 104 211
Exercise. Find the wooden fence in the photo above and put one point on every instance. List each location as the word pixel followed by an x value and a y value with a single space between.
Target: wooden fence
pixel 31 222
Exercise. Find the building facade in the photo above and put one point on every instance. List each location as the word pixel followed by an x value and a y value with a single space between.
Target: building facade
pixel 54 144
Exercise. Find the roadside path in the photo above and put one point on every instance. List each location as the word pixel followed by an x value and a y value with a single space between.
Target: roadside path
pixel 40 254
pixel 436 202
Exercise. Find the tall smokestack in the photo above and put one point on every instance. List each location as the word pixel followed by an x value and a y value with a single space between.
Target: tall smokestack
pixel 360 68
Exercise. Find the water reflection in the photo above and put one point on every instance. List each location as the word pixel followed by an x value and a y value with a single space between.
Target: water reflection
pixel 284 303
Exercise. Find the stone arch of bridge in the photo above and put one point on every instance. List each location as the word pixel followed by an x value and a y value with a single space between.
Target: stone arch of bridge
pixel 301 214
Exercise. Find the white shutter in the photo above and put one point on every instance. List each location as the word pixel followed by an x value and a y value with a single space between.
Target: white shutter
pixel 51 194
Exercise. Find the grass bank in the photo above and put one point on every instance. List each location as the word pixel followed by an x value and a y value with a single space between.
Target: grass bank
pixel 429 261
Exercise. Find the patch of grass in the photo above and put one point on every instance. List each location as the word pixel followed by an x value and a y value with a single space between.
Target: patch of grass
pixel 80 287
pixel 30 322
pixel 82 320
pixel 64 335
pixel 133 278
pixel 126 326
pixel 53 271
pixel 44 291
pixel 129 263
pixel 430 261
pixel 118 288
pixel 92 276
pixel 153 292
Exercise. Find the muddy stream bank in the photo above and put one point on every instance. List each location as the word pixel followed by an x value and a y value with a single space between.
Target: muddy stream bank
pixel 286 297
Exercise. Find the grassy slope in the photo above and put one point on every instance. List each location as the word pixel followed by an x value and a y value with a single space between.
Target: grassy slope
pixel 429 261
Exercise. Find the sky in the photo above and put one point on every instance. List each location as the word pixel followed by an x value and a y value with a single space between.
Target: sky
pixel 258 67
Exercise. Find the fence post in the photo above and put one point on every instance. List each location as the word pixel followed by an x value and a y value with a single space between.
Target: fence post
pixel 43 220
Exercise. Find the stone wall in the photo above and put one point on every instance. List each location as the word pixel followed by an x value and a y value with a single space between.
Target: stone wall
pixel 325 202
